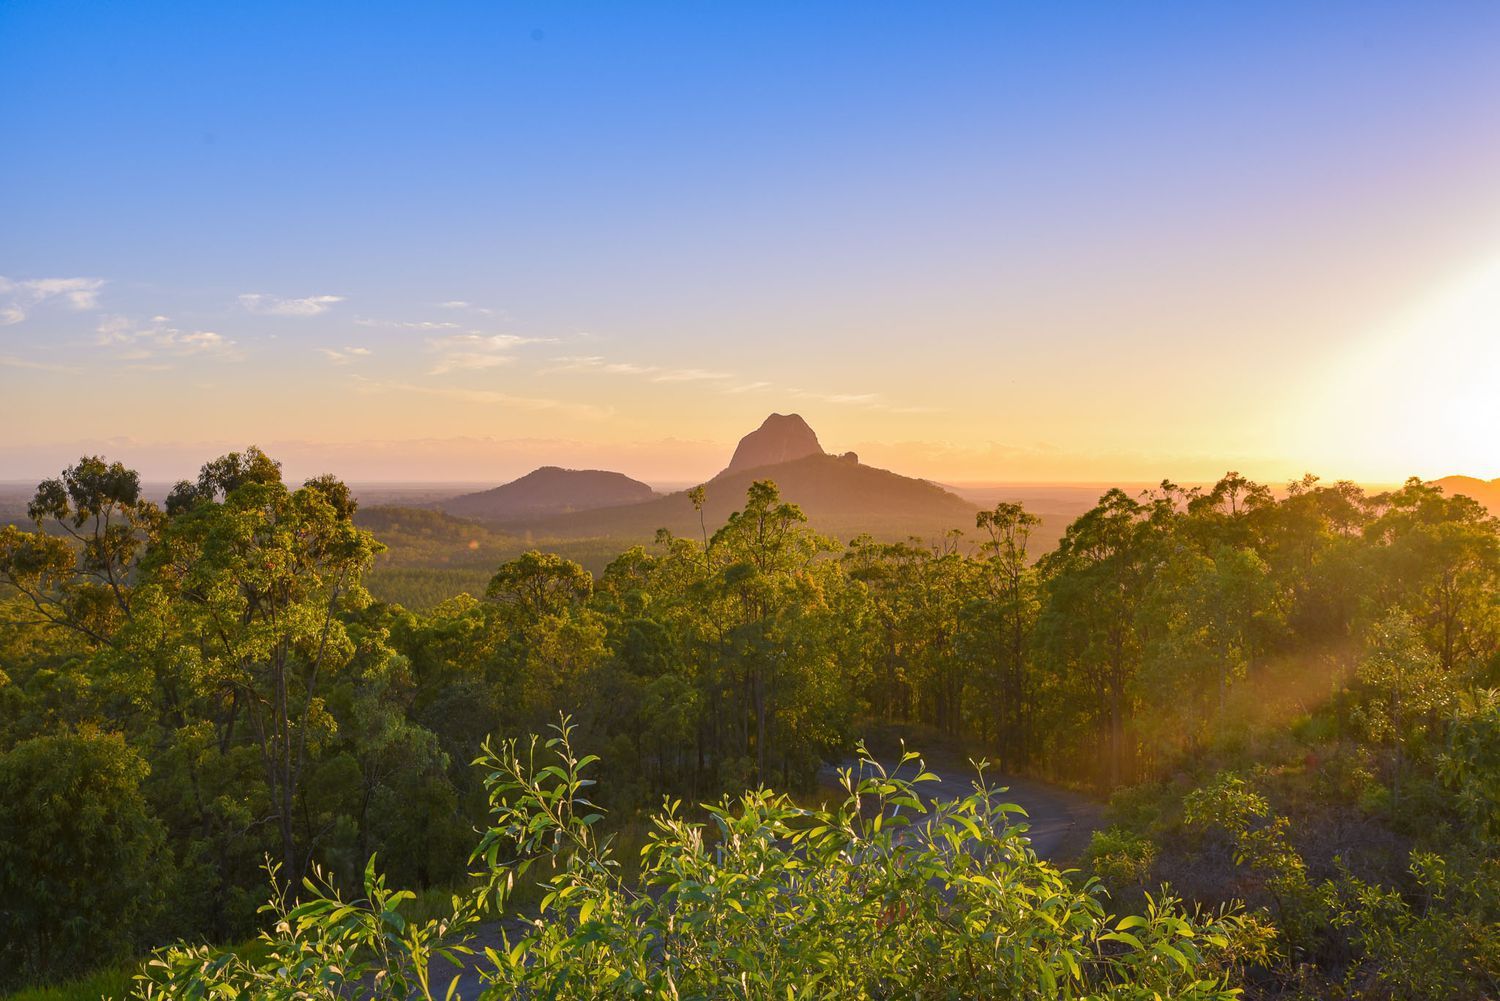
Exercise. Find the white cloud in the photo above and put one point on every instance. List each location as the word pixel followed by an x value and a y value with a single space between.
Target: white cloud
pixel 691 375
pixel 365 321
pixel 865 401
pixel 270 305
pixel 475 352
pixel 17 298
pixel 345 356
pixel 138 344
pixel 598 363
pixel 658 373
pixel 465 305
pixel 484 396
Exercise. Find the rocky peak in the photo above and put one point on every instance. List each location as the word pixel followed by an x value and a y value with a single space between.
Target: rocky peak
pixel 781 438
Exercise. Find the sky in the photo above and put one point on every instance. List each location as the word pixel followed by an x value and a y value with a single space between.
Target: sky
pixel 975 242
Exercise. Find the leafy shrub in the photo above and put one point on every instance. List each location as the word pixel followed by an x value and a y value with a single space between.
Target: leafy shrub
pixel 81 878
pixel 1120 859
pixel 1139 807
pixel 1470 766
pixel 884 896
pixel 1445 944
pixel 1439 937
pixel 1232 805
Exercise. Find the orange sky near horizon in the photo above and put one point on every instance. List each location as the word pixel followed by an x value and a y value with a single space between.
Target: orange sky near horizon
pixel 1412 393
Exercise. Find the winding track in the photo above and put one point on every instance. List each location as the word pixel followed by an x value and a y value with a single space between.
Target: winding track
pixel 1060 819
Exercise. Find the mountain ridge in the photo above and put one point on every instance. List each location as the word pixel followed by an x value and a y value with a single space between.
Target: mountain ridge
pixel 549 490
pixel 838 494
pixel 1486 492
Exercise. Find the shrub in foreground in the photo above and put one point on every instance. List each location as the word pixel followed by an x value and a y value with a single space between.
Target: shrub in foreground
pixel 884 896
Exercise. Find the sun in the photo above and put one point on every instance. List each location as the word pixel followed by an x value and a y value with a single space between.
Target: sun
pixel 1422 396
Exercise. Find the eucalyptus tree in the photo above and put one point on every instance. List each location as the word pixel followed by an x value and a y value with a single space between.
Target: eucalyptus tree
pixel 766 581
pixel 1438 557
pixel 77 570
pixel 1405 689
pixel 1096 581
pixel 1204 618
pixel 249 581
pixel 1313 542
pixel 1012 603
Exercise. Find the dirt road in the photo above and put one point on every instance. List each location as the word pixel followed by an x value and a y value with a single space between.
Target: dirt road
pixel 1060 820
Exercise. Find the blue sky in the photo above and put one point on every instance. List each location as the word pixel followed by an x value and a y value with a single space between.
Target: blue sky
pixel 1014 242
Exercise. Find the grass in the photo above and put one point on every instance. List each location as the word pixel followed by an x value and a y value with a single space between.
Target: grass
pixel 434 902
pixel 110 982
pixel 114 982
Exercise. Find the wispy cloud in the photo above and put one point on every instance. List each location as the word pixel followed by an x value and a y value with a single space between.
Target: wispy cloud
pixel 596 363
pixel 11 361
pixel 140 343
pixel 345 356
pixel 475 352
pixel 656 373
pixel 484 396
pixel 270 305
pixel 663 374
pixel 18 298
pixel 691 375
pixel 864 401
pixel 467 306
pixel 365 321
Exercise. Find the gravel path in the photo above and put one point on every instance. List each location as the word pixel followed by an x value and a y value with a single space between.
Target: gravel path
pixel 1061 820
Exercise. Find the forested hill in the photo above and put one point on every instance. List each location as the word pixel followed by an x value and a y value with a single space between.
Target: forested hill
pixel 549 490
pixel 839 495
pixel 1486 492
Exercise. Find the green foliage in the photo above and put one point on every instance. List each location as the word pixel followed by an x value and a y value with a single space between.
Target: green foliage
pixel 1470 765
pixel 81 874
pixel 1405 686
pixel 1260 841
pixel 431 557
pixel 1443 941
pixel 883 896
pixel 1120 859
pixel 1439 937
pixel 111 982
pixel 1334 644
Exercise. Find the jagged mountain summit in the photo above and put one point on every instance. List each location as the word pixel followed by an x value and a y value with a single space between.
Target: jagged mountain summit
pixel 780 438
pixel 839 494
pixel 550 490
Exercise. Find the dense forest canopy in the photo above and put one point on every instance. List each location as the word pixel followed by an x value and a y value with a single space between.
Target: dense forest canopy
pixel 1291 697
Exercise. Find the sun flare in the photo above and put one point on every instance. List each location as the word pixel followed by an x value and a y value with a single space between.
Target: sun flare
pixel 1422 395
